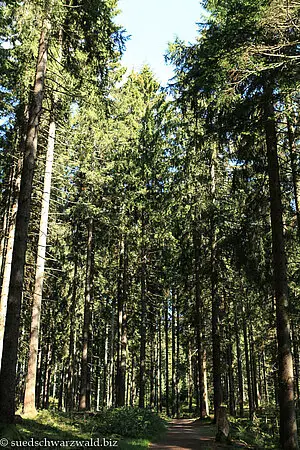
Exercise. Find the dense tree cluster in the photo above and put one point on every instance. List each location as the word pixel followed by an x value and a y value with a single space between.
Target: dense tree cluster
pixel 150 237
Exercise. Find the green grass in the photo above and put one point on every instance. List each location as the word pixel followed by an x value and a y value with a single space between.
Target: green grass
pixel 133 428
pixel 134 444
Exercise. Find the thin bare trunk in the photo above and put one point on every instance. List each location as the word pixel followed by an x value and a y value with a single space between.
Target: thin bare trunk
pixel 12 324
pixel 29 400
pixel 248 369
pixel 8 256
pixel 84 400
pixel 159 375
pixel 296 359
pixel 72 335
pixel 167 355
pixel 177 361
pixel 288 424
pixel 7 212
pixel 295 170
pixel 239 365
pixel 105 368
pixel 173 357
pixel 122 326
pixel 143 320
pixel 215 298
pixel 199 323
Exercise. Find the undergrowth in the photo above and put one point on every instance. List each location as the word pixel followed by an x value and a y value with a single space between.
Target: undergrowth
pixel 132 428
pixel 261 433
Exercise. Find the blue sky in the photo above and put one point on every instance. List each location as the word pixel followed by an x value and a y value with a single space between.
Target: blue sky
pixel 152 24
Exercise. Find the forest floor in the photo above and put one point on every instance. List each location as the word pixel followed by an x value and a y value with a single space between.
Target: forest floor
pixel 124 428
pixel 191 434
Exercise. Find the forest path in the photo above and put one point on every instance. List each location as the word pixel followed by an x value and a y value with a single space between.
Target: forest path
pixel 190 434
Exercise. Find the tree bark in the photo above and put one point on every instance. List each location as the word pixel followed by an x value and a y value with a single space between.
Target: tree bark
pixel 143 320
pixel 9 252
pixel 122 326
pixel 288 425
pixel 120 318
pixel 84 400
pixel 72 335
pixel 61 390
pixel 152 373
pixel 296 359
pixel 253 367
pixel 198 328
pixel 239 365
pixel 12 324
pixel 167 355
pixel 173 358
pixel 105 368
pixel 295 170
pixel 177 360
pixel 230 375
pixel 159 375
pixel 248 368
pixel 190 377
pixel 215 298
pixel 29 399
pixel 5 221
pixel 109 400
pixel 265 379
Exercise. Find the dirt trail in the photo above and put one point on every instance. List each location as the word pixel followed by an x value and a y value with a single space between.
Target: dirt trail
pixel 190 434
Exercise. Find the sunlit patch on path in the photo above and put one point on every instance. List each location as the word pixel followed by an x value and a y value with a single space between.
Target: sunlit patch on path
pixel 191 434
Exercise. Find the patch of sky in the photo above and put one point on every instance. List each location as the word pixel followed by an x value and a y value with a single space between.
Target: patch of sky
pixel 151 26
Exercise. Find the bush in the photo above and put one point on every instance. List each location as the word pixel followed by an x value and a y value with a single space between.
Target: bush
pixel 128 422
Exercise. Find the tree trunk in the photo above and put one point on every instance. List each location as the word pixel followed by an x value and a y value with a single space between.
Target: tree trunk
pixel 198 328
pixel 48 376
pixel 152 372
pixel 248 369
pixel 177 361
pixel 190 377
pixel 133 389
pixel 295 170
pixel 105 368
pixel 39 379
pixel 265 379
pixel 9 252
pixel 167 355
pixel 5 221
pixel 173 358
pixel 120 318
pixel 215 298
pixel 84 400
pixel 296 359
pixel 159 375
pixel 239 365
pixel 143 320
pixel 45 371
pixel 109 401
pixel 12 324
pixel 122 328
pixel 204 370
pixel 72 335
pixel 61 390
pixel 288 425
pixel 253 368
pixel 29 400
pixel 231 379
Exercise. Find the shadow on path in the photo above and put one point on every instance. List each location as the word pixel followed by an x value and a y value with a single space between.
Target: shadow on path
pixel 191 434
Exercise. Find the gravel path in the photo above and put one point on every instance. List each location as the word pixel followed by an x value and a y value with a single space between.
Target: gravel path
pixel 190 434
